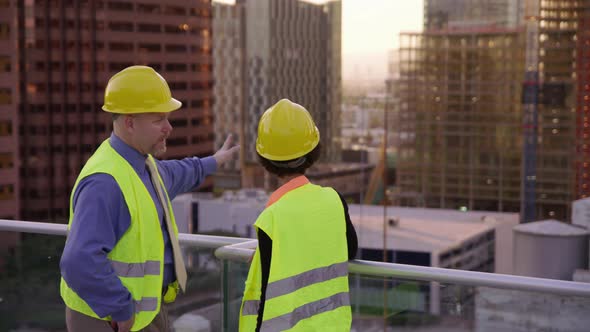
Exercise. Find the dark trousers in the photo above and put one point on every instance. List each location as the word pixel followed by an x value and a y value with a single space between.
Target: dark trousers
pixel 78 322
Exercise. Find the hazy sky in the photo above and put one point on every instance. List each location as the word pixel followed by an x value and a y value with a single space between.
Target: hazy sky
pixel 370 29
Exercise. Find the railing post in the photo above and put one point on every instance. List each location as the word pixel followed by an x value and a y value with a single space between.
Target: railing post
pixel 225 296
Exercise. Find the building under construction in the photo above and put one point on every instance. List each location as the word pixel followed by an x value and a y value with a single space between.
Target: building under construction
pixel 458 133
pixel 464 139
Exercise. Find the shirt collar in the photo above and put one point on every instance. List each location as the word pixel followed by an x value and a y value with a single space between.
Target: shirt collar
pixel 287 187
pixel 133 157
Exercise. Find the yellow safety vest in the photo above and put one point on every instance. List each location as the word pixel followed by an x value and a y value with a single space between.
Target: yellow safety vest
pixel 138 257
pixel 308 280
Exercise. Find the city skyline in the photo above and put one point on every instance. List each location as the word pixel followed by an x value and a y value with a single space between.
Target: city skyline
pixel 364 52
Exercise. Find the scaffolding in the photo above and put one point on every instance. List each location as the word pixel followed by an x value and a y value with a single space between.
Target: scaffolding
pixel 491 118
pixel 459 133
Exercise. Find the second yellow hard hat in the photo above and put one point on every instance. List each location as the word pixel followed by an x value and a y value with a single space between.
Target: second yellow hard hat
pixel 286 131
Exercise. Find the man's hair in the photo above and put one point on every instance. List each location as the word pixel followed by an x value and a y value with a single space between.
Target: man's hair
pixel 115 116
pixel 293 166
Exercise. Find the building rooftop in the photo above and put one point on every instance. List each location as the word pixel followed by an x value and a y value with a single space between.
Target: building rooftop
pixel 412 229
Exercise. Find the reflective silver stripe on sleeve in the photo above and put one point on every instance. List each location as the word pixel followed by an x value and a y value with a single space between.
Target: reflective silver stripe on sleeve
pixel 146 304
pixel 308 310
pixel 291 284
pixel 250 307
pixel 136 269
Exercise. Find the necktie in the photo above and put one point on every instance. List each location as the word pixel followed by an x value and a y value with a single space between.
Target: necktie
pixel 179 267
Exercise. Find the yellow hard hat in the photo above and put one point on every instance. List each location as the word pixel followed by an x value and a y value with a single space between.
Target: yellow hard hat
pixel 286 131
pixel 138 89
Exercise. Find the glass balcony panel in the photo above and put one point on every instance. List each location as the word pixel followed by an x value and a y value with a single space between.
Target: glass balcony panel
pixel 412 305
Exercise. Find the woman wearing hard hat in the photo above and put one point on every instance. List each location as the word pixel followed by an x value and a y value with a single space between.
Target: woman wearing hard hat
pixel 298 279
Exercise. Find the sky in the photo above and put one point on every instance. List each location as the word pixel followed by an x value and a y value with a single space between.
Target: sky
pixel 370 30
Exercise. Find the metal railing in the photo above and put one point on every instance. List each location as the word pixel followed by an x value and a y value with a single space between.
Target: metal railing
pixel 241 249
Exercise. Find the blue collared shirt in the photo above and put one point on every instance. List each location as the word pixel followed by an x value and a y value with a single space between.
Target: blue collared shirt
pixel 101 217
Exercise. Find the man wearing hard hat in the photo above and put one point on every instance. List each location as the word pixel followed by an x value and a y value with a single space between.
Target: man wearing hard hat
pixel 298 278
pixel 122 262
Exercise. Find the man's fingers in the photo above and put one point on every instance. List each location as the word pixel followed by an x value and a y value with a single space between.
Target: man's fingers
pixel 234 149
pixel 228 142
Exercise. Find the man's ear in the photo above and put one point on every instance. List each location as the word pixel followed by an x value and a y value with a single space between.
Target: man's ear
pixel 129 122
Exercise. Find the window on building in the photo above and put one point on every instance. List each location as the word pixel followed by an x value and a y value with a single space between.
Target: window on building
pixel 202 68
pixel 178 85
pixel 5 128
pixel 118 66
pixel 120 6
pixel 121 26
pixel 204 12
pixel 121 47
pixel 177 141
pixel 174 10
pixel 149 27
pixel 174 29
pixel 4 31
pixel 99 26
pixel 6 191
pixel 197 85
pixel 148 8
pixel 150 47
pixel 5 96
pixel 176 48
pixel 179 123
pixel 176 67
pixel 5 66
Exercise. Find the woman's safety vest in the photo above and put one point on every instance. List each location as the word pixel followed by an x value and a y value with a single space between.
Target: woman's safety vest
pixel 138 257
pixel 308 281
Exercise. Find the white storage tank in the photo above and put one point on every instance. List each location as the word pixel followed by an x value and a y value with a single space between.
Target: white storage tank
pixel 549 249
pixel 191 323
pixel 581 214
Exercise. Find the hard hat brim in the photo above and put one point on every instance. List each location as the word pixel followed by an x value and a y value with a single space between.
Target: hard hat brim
pixel 284 157
pixel 168 107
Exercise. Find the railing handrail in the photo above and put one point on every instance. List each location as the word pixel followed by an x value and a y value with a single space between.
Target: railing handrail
pixel 227 250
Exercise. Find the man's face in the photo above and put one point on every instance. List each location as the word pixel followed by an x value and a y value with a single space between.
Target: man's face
pixel 149 132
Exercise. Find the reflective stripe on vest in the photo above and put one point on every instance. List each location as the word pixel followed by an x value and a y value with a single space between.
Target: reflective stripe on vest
pixel 305 311
pixel 294 283
pixel 146 304
pixel 136 270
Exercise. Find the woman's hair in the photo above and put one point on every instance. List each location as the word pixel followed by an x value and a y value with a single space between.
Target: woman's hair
pixel 293 166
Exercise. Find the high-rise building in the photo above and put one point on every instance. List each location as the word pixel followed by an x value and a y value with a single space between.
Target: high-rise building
pixel 9 143
pixel 229 66
pixel 458 123
pixel 289 49
pixel 537 153
pixel 461 14
pixel 57 57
